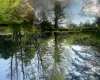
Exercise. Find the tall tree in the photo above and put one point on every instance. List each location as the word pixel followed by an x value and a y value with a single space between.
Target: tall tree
pixel 59 13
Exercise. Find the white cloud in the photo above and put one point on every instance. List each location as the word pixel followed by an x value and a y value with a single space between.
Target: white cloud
pixel 91 7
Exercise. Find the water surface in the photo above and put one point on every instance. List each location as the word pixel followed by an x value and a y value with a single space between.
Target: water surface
pixel 50 56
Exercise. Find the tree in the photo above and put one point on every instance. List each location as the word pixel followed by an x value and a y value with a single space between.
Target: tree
pixel 43 18
pixel 24 11
pixel 7 47
pixel 97 21
pixel 81 24
pixel 45 25
pixel 87 24
pixel 91 8
pixel 15 11
pixel 5 11
pixel 72 25
pixel 59 13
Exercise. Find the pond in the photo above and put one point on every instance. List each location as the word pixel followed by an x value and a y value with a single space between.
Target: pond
pixel 50 56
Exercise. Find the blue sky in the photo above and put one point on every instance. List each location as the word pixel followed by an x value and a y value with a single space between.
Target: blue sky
pixel 4 69
pixel 76 8
pixel 77 18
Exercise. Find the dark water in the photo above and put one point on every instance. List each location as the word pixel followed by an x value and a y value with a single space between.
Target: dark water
pixel 50 56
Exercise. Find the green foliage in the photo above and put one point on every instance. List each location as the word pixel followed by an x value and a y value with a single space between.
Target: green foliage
pixel 29 54
pixel 15 3
pixel 72 26
pixel 7 48
pixel 7 10
pixel 97 21
pixel 45 25
pixel 84 38
pixel 57 76
pixel 56 55
pixel 16 11
pixel 72 38
pixel 5 30
pixel 29 51
pixel 24 11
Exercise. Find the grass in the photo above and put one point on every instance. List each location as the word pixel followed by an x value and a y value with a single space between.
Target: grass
pixel 24 30
pixel 5 30
pixel 32 30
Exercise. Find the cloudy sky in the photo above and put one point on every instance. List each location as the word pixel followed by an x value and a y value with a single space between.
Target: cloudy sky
pixel 90 7
pixel 76 11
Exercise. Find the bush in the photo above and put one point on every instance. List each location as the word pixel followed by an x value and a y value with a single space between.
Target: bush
pixel 45 25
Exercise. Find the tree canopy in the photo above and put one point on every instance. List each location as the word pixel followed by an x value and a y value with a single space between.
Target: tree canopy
pixel 15 11
pixel 7 10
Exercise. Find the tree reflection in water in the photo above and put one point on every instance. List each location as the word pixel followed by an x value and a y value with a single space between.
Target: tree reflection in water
pixel 39 56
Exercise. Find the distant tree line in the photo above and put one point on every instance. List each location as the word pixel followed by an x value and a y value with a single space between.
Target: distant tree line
pixel 87 24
